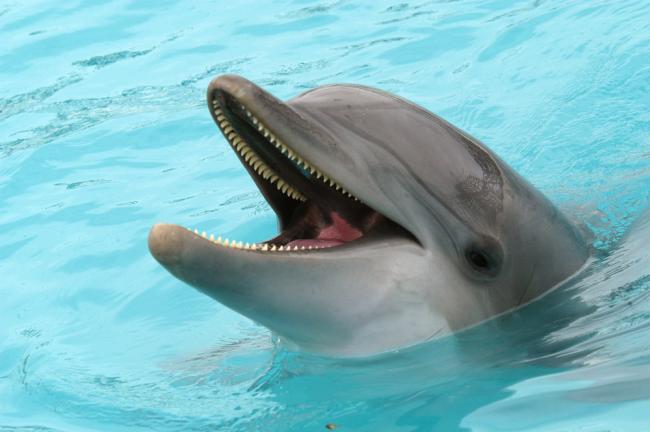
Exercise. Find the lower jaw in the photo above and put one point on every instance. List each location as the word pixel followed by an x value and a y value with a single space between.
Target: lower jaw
pixel 319 243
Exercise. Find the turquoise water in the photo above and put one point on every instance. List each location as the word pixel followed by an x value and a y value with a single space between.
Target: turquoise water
pixel 104 131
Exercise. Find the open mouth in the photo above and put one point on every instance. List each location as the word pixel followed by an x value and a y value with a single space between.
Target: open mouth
pixel 313 209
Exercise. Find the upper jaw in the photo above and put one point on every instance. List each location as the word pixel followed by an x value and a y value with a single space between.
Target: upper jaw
pixel 242 109
pixel 266 134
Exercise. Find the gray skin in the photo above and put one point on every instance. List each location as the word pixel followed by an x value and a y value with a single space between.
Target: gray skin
pixel 386 290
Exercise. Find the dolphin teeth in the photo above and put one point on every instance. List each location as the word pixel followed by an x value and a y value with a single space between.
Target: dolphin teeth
pixel 265 247
pixel 273 247
pixel 258 164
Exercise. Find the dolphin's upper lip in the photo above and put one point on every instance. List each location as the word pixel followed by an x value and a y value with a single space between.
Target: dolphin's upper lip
pixel 314 210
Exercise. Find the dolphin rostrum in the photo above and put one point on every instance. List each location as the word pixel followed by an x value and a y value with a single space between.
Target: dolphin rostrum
pixel 395 226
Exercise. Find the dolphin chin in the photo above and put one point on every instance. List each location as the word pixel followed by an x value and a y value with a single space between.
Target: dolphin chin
pixel 395 226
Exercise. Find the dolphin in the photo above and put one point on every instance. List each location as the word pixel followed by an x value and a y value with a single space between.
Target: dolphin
pixel 395 227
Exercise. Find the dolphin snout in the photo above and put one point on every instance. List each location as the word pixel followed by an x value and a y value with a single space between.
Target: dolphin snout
pixel 166 244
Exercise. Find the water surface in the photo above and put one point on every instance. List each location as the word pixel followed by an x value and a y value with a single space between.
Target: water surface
pixel 104 131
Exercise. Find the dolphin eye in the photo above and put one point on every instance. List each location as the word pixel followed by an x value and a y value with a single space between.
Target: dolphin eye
pixel 484 257
pixel 477 259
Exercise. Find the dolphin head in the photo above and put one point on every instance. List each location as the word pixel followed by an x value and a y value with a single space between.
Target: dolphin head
pixel 395 226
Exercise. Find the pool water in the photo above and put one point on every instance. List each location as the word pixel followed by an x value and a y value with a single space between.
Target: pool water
pixel 104 131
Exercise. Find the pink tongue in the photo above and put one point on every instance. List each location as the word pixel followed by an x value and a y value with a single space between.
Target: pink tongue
pixel 339 232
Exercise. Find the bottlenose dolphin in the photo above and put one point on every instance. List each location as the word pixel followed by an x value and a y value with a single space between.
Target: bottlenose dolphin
pixel 395 226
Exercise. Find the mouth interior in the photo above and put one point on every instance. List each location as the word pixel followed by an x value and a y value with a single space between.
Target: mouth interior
pixel 314 211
